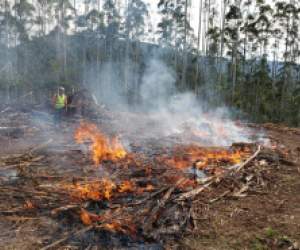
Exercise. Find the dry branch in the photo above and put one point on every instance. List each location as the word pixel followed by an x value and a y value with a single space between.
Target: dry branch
pixel 163 210
pixel 154 213
pixel 38 147
pixel 4 110
pixel 244 164
pixel 58 210
pixel 219 197
pixel 193 193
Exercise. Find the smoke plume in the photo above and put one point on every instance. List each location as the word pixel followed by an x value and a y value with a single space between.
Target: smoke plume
pixel 163 111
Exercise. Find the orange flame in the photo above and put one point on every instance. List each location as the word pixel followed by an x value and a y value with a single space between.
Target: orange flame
pixel 126 186
pixel 102 148
pixel 184 157
pixel 85 217
pixel 28 205
pixel 99 190
pixel 126 226
pixel 122 225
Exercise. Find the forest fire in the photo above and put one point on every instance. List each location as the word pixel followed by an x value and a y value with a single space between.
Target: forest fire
pixel 102 147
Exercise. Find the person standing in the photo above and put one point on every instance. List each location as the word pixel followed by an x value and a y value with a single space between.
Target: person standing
pixel 60 104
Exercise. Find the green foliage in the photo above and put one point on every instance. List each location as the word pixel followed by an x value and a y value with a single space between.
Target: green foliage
pixel 270 232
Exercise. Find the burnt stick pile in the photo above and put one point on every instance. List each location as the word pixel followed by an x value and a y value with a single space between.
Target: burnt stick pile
pixel 95 191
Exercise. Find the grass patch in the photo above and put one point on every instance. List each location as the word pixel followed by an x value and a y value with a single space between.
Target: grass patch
pixel 270 232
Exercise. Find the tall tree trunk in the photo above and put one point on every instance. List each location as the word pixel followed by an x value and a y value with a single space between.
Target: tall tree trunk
pixel 175 40
pixel 220 61
pixel 64 42
pixel 127 48
pixel 98 38
pixel 84 51
pixel 75 14
pixel 235 57
pixel 198 49
pixel 286 68
pixel 208 24
pixel 185 54
pixel 234 67
pixel 204 29
pixel 7 31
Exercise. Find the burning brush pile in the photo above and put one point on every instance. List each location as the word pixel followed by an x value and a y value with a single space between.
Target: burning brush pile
pixel 125 196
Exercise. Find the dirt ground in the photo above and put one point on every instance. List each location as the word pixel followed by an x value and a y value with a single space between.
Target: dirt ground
pixel 268 219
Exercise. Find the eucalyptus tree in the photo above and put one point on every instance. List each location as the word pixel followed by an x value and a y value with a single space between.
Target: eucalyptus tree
pixel 63 11
pixel 135 25
pixel 136 19
pixel 112 18
pixel 112 23
pixel 24 18
pixel 8 24
pixel 95 23
pixel 167 24
pixel 15 25
pixel 8 32
pixel 232 30
pixel 186 25
pixel 94 19
pixel 256 30
pixel 199 41
pixel 287 17
pixel 175 31
pixel 41 19
pixel 263 25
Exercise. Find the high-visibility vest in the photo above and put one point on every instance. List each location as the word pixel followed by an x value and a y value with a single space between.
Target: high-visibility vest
pixel 60 101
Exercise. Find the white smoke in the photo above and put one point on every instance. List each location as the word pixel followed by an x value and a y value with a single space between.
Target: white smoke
pixel 163 111
pixel 158 84
pixel 107 85
pixel 180 113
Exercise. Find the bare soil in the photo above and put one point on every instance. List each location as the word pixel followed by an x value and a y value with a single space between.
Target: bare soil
pixel 267 220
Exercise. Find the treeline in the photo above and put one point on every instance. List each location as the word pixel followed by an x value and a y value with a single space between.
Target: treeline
pixel 242 53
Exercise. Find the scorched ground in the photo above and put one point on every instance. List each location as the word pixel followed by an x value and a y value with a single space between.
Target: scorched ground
pixel 87 186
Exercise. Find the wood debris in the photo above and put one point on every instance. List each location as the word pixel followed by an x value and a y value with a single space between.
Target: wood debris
pixel 140 196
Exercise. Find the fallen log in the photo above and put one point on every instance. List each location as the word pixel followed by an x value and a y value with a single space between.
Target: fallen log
pixel 193 193
pixel 244 164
